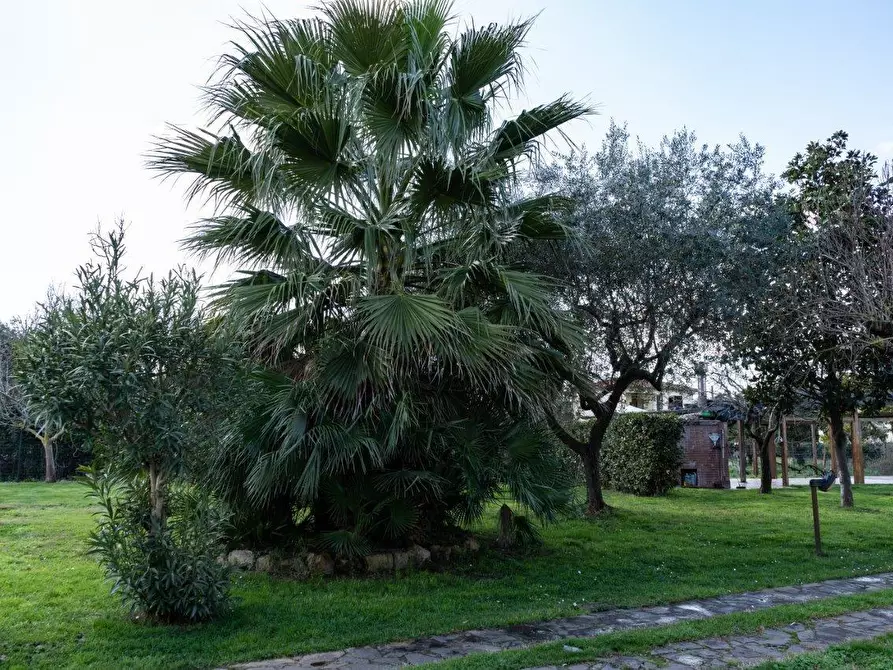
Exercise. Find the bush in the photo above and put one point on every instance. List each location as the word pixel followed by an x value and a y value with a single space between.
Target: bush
pixel 642 454
pixel 169 572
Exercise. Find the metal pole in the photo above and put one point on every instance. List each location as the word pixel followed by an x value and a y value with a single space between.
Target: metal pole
pixel 815 521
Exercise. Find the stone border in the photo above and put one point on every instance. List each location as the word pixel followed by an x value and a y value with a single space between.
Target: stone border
pixel 305 565
pixel 455 645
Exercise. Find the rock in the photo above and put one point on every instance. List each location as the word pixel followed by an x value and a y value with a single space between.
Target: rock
pixel 320 564
pixel 440 553
pixel 221 560
pixel 419 555
pixel 295 567
pixel 241 558
pixel 264 563
pixel 402 560
pixel 472 545
pixel 571 649
pixel 379 563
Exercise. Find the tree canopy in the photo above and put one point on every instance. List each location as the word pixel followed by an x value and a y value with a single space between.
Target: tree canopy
pixel 801 335
pixel 667 241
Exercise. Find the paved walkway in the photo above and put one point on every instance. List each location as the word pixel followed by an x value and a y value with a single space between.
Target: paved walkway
pixel 754 482
pixel 441 647
pixel 749 650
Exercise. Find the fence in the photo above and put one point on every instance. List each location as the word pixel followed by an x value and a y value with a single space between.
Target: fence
pixel 877 449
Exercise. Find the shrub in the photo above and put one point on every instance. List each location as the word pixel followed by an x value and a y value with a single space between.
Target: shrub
pixel 642 453
pixel 166 571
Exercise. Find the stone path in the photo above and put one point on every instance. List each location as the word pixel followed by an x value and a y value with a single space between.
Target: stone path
pixel 749 650
pixel 454 645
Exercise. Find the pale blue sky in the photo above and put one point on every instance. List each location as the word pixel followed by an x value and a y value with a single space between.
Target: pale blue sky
pixel 87 82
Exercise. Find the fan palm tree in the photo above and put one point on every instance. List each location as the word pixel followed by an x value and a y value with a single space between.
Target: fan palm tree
pixel 367 193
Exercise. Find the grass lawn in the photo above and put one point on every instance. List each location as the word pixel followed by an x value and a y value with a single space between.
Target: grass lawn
pixel 55 608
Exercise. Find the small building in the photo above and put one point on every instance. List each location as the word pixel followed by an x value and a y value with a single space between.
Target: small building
pixel 671 397
pixel 705 464
pixel 642 397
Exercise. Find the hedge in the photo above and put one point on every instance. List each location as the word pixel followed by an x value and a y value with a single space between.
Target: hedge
pixel 642 453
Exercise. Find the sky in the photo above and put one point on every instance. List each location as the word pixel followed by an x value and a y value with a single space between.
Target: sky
pixel 85 84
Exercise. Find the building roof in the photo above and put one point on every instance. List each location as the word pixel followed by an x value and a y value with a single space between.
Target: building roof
pixel 641 386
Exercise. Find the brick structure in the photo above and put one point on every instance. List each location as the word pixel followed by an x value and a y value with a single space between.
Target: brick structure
pixel 704 464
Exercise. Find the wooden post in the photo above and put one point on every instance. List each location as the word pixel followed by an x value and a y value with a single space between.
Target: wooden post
pixel 756 459
pixel 773 459
pixel 815 454
pixel 832 450
pixel 815 521
pixel 784 452
pixel 858 455
pixel 742 453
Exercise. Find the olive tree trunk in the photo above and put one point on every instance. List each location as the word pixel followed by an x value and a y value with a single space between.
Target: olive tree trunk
pixel 838 443
pixel 595 501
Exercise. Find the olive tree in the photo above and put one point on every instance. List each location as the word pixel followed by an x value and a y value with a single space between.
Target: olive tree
pixel 666 240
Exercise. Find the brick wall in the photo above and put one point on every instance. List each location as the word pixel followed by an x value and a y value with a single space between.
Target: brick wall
pixel 710 464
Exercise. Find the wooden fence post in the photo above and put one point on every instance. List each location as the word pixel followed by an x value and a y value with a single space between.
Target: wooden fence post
pixel 756 459
pixel 815 454
pixel 831 449
pixel 784 452
pixel 858 455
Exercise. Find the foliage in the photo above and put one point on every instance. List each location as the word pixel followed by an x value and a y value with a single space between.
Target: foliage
pixel 167 571
pixel 643 453
pixel 367 198
pixel 669 240
pixel 17 415
pixel 55 613
pixel 133 364
pixel 794 335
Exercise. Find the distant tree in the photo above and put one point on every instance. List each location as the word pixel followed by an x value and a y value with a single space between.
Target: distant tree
pixel 759 403
pixel 666 240
pixel 802 330
pixel 47 426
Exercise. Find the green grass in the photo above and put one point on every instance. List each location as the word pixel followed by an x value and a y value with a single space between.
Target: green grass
pixel 56 610
pixel 873 655
pixel 640 642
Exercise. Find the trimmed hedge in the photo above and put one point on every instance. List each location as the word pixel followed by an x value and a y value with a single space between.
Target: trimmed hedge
pixel 642 453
